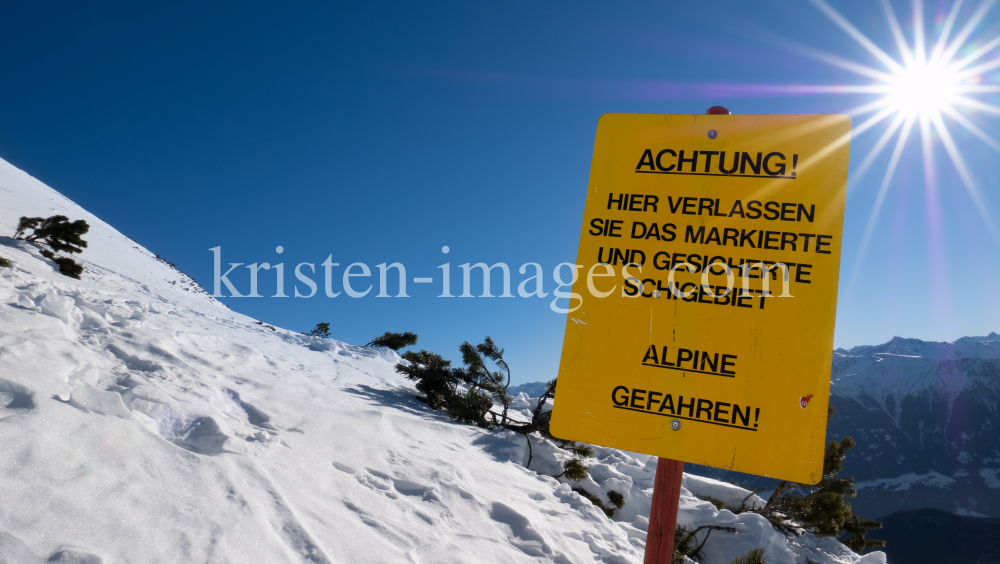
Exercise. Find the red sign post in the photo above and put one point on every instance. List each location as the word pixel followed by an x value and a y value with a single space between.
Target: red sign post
pixel 663 513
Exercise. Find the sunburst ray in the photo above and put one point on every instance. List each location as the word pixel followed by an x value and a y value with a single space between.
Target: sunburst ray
pixel 949 23
pixel 883 189
pixel 875 151
pixel 973 103
pixel 862 39
pixel 973 128
pixel 897 33
pixel 968 180
pixel 977 54
pixel 967 30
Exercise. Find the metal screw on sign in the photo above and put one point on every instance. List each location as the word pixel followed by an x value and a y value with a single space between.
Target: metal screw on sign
pixel 667 487
pixel 712 134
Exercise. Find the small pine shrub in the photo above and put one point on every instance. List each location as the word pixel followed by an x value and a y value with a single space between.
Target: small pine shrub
pixel 609 511
pixel 720 505
pixel 617 499
pixel 59 235
pixel 394 341
pixel 856 529
pixel 576 470
pixel 821 508
pixel 57 232
pixel 755 556
pixel 684 545
pixel 165 261
pixel 68 267
pixel 4 263
pixel 321 330
pixel 434 376
pixel 467 393
pixel 470 406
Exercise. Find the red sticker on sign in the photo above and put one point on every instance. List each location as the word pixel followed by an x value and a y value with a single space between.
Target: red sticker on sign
pixel 804 400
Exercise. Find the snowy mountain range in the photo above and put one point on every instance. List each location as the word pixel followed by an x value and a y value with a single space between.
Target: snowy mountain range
pixel 925 418
pixel 142 421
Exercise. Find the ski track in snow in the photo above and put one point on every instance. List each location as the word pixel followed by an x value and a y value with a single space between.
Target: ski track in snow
pixel 141 421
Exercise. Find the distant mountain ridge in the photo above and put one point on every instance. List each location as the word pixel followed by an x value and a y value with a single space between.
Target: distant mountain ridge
pixel 533 389
pixel 917 365
pixel 925 417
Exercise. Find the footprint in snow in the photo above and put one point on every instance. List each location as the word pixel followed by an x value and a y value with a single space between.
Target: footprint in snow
pixel 202 436
pixel 375 480
pixel 255 416
pixel 15 397
pixel 13 549
pixel 523 535
pixel 343 467
pixel 133 362
pixel 73 556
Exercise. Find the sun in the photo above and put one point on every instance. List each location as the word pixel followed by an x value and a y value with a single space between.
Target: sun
pixel 923 90
pixel 927 87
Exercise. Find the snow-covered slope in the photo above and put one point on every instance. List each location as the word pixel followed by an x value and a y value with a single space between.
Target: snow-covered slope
pixel 142 421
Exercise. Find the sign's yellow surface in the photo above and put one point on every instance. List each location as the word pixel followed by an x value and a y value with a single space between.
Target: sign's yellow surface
pixel 671 364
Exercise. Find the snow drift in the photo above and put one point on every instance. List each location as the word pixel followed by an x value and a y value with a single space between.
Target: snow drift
pixel 142 421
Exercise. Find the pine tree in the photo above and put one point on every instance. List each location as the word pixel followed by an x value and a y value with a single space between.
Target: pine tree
pixel 683 544
pixel 470 406
pixel 59 235
pixel 575 470
pixel 57 232
pixel 321 330
pixel 821 508
pixel 68 267
pixel 394 341
pixel 25 224
pixel 4 263
pixel 433 375
pixel 617 499
pixel 478 377
pixel 856 530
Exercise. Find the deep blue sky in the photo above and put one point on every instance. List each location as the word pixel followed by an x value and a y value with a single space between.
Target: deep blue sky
pixel 379 132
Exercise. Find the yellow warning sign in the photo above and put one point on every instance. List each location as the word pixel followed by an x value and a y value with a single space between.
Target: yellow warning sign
pixel 709 259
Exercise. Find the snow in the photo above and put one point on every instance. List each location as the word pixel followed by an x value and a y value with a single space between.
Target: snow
pixel 969 513
pixel 906 481
pixel 142 421
pixel 990 477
